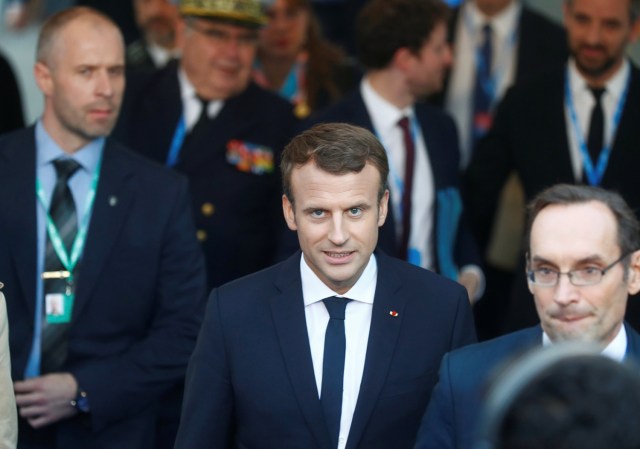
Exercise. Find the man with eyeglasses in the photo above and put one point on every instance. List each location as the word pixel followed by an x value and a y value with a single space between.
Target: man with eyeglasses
pixel 583 261
pixel 204 117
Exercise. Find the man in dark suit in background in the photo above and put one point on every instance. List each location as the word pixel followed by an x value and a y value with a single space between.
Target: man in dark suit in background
pixel 403 45
pixel 204 116
pixel 522 45
pixel 103 276
pixel 553 129
pixel 583 262
pixel 333 348
pixel 496 44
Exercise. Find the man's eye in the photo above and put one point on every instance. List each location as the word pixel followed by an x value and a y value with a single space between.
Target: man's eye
pixel 355 211
pixel 545 271
pixel 590 270
pixel 317 213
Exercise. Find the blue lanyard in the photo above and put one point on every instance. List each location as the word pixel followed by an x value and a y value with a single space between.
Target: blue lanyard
pixel 176 143
pixel 500 68
pixel 594 174
pixel 69 261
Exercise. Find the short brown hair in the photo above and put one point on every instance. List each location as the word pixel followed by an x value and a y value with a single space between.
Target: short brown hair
pixel 384 26
pixel 337 148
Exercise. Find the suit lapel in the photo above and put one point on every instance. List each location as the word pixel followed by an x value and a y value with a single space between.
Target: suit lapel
pixel 18 168
pixel 110 209
pixel 289 319
pixel 626 135
pixel 383 337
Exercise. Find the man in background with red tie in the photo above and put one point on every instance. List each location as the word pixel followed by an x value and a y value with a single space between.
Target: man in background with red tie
pixel 403 45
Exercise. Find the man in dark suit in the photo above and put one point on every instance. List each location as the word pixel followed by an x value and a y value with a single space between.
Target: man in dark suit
pixel 204 116
pixel 103 276
pixel 276 368
pixel 583 262
pixel 403 45
pixel 524 45
pixel 518 45
pixel 544 131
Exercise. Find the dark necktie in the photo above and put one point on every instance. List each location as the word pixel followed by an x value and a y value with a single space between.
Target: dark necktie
pixel 596 126
pixel 483 88
pixel 198 128
pixel 333 366
pixel 410 154
pixel 62 211
pixel 203 118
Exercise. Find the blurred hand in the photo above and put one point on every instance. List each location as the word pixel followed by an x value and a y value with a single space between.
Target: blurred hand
pixel 46 399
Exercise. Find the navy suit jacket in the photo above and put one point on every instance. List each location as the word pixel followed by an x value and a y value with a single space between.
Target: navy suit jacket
pixel 238 213
pixel 139 298
pixel 453 414
pixel 251 384
pixel 441 138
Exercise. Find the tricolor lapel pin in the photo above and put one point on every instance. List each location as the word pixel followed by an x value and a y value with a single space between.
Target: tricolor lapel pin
pixel 393 313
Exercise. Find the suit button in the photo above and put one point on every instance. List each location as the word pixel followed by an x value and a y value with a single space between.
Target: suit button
pixel 201 235
pixel 207 209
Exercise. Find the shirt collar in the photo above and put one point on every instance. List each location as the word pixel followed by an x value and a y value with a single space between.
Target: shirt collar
pixel 614 87
pixel 314 290
pixel 160 55
pixel 384 115
pixel 47 150
pixel 503 24
pixel 615 350
pixel 189 95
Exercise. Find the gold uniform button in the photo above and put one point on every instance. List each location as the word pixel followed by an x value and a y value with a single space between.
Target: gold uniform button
pixel 201 235
pixel 208 209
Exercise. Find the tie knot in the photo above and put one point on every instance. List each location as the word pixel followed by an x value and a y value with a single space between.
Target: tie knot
pixel 597 93
pixel 404 123
pixel 336 307
pixel 65 168
pixel 487 31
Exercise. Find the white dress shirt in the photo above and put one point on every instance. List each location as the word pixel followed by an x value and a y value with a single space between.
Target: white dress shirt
pixel 191 106
pixel 357 324
pixel 468 37
pixel 615 350
pixel 160 55
pixel 385 117
pixel 583 104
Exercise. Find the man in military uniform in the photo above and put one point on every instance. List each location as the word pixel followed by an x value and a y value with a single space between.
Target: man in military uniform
pixel 204 116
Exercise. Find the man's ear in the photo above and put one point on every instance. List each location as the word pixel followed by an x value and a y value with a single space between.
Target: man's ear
pixel 42 75
pixel 402 58
pixel 526 268
pixel 289 213
pixel 383 208
pixel 633 273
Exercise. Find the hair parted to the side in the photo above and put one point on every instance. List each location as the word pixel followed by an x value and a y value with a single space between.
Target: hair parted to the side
pixel 384 26
pixel 337 148
pixel 57 22
pixel 568 194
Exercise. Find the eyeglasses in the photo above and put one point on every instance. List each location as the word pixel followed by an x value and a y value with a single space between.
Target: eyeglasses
pixel 546 277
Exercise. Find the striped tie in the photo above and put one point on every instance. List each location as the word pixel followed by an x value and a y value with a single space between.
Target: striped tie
pixel 63 214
